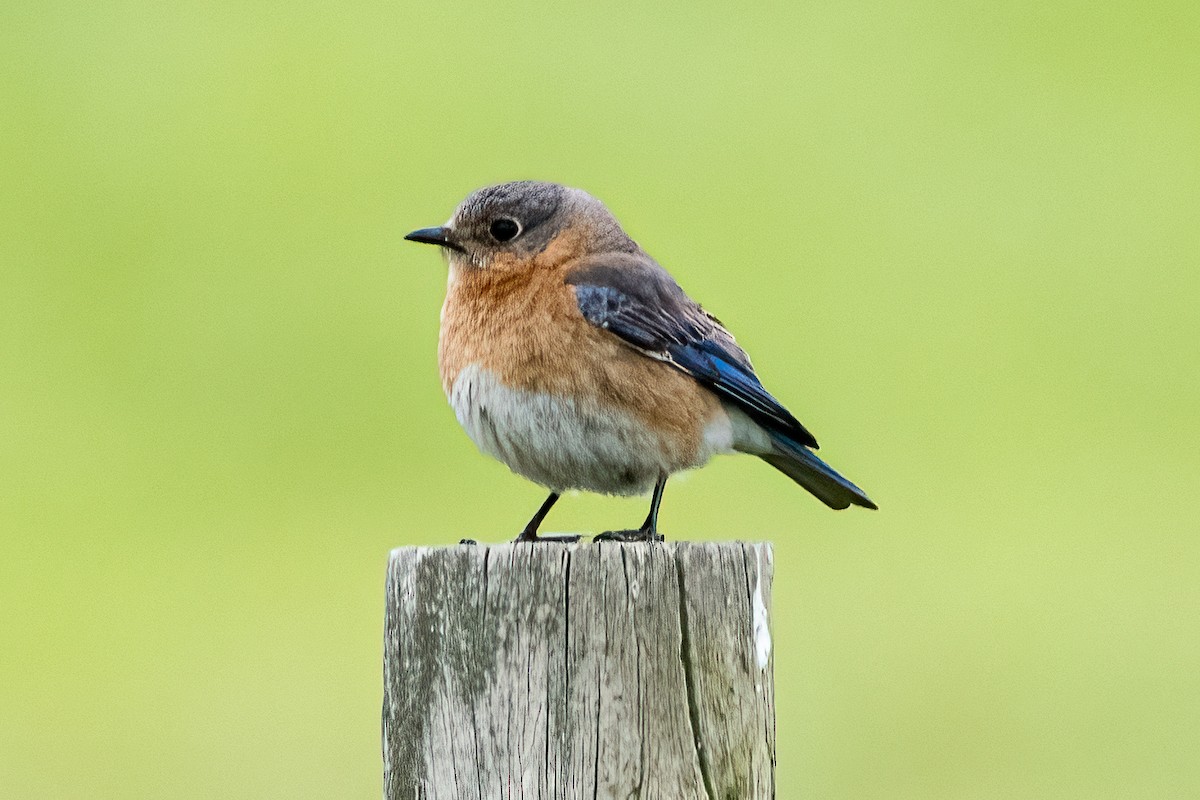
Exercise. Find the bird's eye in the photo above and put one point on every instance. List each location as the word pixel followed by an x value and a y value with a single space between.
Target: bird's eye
pixel 504 229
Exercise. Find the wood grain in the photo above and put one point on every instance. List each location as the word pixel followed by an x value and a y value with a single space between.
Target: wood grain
pixel 579 671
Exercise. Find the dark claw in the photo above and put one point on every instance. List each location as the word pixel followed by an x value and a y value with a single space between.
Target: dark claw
pixel 467 541
pixel 533 538
pixel 649 530
pixel 629 537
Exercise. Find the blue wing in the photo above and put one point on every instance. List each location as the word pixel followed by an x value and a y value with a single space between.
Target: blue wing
pixel 635 299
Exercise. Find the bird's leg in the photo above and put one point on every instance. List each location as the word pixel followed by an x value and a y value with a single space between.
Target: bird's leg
pixel 649 530
pixel 530 533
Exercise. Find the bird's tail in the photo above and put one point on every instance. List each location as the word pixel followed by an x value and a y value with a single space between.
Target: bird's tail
pixel 802 465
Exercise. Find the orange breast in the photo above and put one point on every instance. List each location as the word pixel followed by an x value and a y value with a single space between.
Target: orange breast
pixel 524 326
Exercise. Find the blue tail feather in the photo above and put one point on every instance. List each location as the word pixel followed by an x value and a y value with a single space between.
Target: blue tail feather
pixel 802 465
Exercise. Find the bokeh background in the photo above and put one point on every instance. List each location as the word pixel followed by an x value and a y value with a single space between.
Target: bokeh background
pixel 959 239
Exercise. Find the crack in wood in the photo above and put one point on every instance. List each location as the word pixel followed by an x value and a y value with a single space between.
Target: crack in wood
pixel 689 682
pixel 650 689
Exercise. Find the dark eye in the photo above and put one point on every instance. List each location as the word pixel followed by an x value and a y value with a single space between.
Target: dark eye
pixel 504 229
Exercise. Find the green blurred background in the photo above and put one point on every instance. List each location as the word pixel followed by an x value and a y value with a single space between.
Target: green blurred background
pixel 960 241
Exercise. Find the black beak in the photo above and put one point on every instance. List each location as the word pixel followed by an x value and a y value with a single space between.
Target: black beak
pixel 439 236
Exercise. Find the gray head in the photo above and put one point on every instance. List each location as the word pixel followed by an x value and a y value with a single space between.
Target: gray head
pixel 520 220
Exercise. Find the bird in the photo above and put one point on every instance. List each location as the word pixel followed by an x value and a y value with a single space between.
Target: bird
pixel 574 358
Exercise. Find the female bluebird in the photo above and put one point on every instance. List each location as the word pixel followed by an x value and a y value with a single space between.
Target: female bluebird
pixel 570 355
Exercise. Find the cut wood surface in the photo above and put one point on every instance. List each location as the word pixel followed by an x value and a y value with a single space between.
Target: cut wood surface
pixel 579 671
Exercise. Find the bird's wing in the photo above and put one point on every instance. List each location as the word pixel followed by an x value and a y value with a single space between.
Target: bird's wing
pixel 636 300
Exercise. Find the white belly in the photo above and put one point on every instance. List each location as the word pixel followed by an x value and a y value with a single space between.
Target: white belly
pixel 564 443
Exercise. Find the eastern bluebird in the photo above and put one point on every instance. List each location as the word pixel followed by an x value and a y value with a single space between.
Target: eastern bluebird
pixel 571 356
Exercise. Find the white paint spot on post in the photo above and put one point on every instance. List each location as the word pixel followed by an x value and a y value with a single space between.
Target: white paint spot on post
pixel 762 631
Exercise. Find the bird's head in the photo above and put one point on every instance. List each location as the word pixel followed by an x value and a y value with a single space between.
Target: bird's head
pixel 525 223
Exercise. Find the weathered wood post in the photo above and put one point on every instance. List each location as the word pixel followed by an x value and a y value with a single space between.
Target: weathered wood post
pixel 579 671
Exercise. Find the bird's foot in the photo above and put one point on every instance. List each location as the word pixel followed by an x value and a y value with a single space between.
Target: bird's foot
pixel 629 536
pixel 531 537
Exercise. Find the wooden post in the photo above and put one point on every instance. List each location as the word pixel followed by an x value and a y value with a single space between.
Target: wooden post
pixel 579 671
